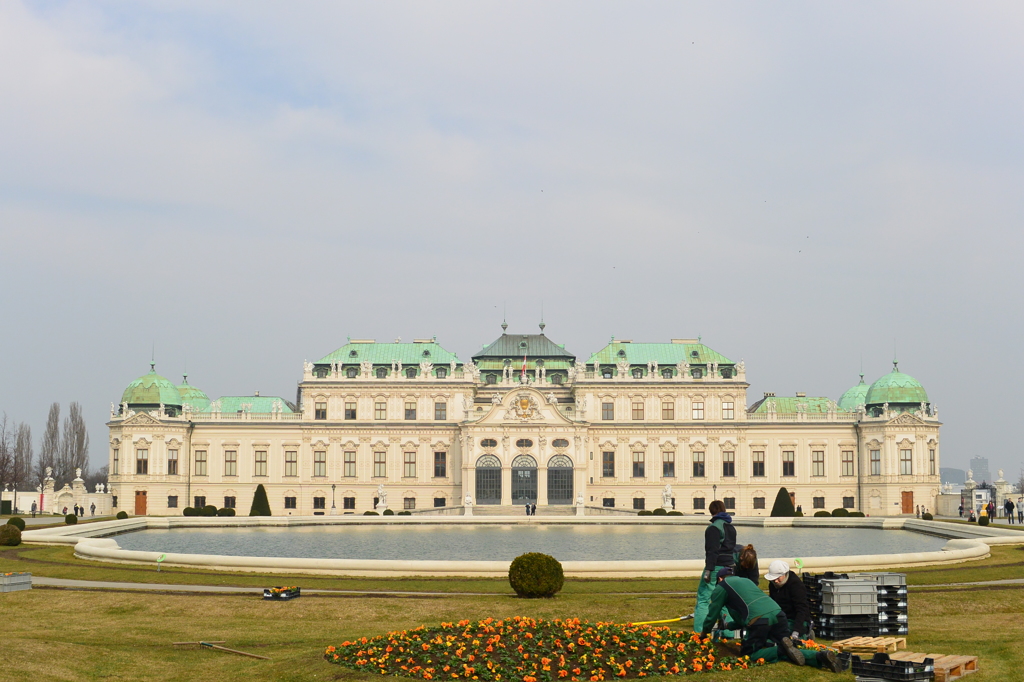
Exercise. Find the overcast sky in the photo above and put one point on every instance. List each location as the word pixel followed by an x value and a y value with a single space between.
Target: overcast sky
pixel 805 185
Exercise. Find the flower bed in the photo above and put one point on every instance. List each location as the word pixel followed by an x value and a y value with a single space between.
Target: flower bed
pixel 528 650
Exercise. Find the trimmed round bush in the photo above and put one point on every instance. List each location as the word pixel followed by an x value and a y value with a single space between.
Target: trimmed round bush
pixel 857 513
pixel 798 513
pixel 16 521
pixel 404 513
pixel 660 511
pixel 189 511
pixel 389 512
pixel 208 510
pixel 645 512
pixel 122 515
pixel 534 575
pixel 982 520
pixel 842 511
pixel 822 513
pixel 225 512
pixel 927 517
pixel 10 536
pixel 70 519
pixel 675 513
pixel 370 513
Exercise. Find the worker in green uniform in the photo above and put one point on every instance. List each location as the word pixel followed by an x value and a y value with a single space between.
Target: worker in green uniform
pixel 719 551
pixel 767 631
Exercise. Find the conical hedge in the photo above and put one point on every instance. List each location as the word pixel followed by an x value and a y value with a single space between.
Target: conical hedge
pixel 783 504
pixel 260 503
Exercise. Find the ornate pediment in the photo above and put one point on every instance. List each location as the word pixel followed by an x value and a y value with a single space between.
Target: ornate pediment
pixel 905 419
pixel 523 406
pixel 140 419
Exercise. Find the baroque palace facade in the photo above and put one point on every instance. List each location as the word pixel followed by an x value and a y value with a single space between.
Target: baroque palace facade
pixel 524 421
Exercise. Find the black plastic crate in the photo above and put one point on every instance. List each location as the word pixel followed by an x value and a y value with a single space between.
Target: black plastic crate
pixel 834 634
pixel 859 619
pixel 882 667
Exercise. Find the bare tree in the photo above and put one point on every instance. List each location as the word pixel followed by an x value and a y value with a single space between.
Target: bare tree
pixel 6 452
pixel 22 458
pixel 49 448
pixel 74 444
pixel 99 476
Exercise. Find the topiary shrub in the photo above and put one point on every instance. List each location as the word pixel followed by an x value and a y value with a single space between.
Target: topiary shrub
pixel 71 519
pixel 189 511
pixel 660 511
pixel 645 512
pixel 982 520
pixel 927 517
pixel 798 513
pixel 842 511
pixel 260 503
pixel 122 515
pixel 783 504
pixel 857 513
pixel 16 521
pixel 675 513
pixel 536 575
pixel 370 513
pixel 225 512
pixel 822 513
pixel 208 510
pixel 10 536
pixel 389 512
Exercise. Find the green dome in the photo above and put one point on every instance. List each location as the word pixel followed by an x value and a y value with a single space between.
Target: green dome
pixel 151 390
pixel 855 397
pixel 896 388
pixel 190 395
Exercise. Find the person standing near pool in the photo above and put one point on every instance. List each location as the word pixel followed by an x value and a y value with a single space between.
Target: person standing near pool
pixel 719 552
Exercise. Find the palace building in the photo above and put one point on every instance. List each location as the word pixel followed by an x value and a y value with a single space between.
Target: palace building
pixel 524 421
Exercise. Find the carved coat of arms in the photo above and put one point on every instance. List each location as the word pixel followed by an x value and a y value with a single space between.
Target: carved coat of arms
pixel 524 407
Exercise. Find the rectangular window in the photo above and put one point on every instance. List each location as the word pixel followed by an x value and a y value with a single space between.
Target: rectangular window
pixel 350 464
pixel 608 464
pixel 608 411
pixel 847 460
pixel 320 463
pixel 142 461
pixel 818 502
pixel 348 503
pixel 200 501
pixel 291 503
pixel 906 462
pixel 380 464
pixel 788 463
pixel 440 464
pixel 728 464
pixel 931 462
pixel 319 503
pixel 117 462
pixel 350 410
pixel 758 503
pixel 172 462
pixel 440 411
pixel 113 501
pixel 639 503
pixel 698 503
pixel 291 463
pixel 320 411
pixel 440 502
pixel 230 463
pixel 410 411
pixel 668 464
pixel 408 503
pixel 698 410
pixel 638 465
pixel 409 471
pixel 200 462
pixel 698 465
pixel 728 410
pixel 848 503
pixel 668 411
pixel 876 462
pixel 261 463
pixel 757 458
pixel 380 410
pixel 729 502
pixel 608 502
pixel 638 411
pixel 818 463
pixel 229 502
pixel 172 501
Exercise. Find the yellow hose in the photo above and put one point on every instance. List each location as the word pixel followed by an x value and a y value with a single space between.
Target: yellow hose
pixel 655 622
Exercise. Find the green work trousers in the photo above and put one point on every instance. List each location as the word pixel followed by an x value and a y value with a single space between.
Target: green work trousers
pixel 700 610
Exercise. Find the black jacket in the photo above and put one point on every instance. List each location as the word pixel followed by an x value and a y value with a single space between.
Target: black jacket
pixel 719 543
pixel 792 599
pixel 749 573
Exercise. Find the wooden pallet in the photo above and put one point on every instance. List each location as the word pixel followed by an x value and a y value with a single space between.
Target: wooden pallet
pixel 946 667
pixel 871 645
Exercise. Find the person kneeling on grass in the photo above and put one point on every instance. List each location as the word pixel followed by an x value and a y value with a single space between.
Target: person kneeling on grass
pixel 788 591
pixel 767 632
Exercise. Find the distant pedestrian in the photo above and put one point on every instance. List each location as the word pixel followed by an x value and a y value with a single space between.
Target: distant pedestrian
pixel 961 510
pixel 533 510
pixel 1020 510
pixel 33 510
pixel 527 509
pixel 1008 509
pixel 92 509
pixel 917 510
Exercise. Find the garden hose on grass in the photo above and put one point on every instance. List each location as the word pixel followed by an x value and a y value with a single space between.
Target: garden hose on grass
pixel 668 620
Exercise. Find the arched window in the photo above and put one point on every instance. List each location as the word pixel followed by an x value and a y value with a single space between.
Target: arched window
pixel 524 443
pixel 410 372
pixel 488 462
pixel 442 372
pixel 488 443
pixel 560 462
pixel 560 443
pixel 638 373
pixel 727 372
pixel 556 378
pixel 492 378
pixel 697 373
pixel 606 373
pixel 351 372
pixel 666 373
pixel 524 462
pixel 321 372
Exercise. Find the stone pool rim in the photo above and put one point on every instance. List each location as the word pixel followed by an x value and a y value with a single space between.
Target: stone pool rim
pixel 93 541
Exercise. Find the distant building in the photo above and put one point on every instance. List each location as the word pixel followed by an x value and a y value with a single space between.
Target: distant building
pixel 954 476
pixel 979 465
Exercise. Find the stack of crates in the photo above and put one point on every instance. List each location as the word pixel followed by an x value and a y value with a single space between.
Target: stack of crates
pixel 812 583
pixel 849 608
pixel 892 602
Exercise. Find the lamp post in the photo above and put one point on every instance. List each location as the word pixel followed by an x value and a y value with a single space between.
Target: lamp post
pixel 714 492
pixel 334 510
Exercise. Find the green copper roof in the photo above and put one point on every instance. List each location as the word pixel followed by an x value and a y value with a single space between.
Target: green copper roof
pixel 248 403
pixel 855 397
pixel 386 353
pixel 190 395
pixel 517 364
pixel 151 389
pixel 537 346
pixel 662 353
pixel 787 405
pixel 896 387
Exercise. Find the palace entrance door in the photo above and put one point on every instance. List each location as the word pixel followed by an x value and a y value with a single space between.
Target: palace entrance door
pixel 140 502
pixel 488 480
pixel 524 480
pixel 908 502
